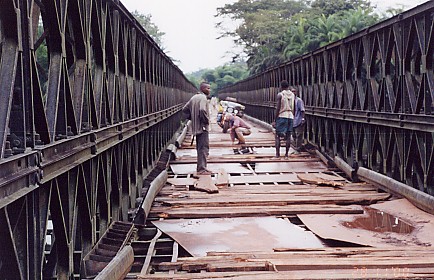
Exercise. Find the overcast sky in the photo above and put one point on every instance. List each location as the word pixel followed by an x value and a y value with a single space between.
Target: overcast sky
pixel 190 30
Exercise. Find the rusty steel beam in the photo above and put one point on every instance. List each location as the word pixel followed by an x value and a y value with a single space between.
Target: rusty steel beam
pixel 88 104
pixel 119 267
pixel 369 97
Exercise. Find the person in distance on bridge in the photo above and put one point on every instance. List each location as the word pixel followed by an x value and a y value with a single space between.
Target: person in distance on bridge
pixel 299 121
pixel 239 128
pixel 284 117
pixel 197 110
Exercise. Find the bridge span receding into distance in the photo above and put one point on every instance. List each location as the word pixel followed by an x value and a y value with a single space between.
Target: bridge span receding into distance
pixel 90 138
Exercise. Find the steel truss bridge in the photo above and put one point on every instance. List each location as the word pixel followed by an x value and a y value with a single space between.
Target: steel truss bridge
pixel 369 97
pixel 90 103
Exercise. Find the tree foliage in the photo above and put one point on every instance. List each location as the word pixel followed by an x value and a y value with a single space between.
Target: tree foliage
pixel 221 76
pixel 272 31
pixel 150 27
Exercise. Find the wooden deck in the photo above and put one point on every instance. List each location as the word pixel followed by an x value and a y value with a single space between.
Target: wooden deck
pixel 294 218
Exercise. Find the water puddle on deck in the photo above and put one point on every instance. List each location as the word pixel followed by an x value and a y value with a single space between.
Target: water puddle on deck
pixel 379 221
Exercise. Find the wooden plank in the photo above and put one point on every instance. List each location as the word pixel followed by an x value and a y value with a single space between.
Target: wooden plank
pixel 222 178
pixel 331 274
pixel 214 167
pixel 206 184
pixel 321 179
pixel 150 253
pixel 262 178
pixel 277 200
pixel 252 211
pixel 284 166
pixel 238 158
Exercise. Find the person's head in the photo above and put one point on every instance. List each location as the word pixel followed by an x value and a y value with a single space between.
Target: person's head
pixel 205 88
pixel 295 91
pixel 229 117
pixel 284 84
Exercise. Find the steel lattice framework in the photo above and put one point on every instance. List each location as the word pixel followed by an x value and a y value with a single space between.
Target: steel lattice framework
pixel 88 103
pixel 369 97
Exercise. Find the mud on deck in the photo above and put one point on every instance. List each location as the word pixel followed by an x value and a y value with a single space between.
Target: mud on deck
pixel 262 218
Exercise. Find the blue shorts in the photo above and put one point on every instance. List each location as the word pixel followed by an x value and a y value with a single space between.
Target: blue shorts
pixel 284 126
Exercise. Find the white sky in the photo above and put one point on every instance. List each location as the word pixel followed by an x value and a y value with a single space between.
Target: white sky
pixel 190 30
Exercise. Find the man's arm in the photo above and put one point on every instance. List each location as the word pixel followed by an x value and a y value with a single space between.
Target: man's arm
pixel 302 110
pixel 278 105
pixel 204 111
pixel 186 113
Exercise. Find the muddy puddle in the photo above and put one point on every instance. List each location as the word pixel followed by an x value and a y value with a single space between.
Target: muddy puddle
pixel 379 221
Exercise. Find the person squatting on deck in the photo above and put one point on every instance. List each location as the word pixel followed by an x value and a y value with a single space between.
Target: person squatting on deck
pixel 284 117
pixel 197 110
pixel 238 128
pixel 299 122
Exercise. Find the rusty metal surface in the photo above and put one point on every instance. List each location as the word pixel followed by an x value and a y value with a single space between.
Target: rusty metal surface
pixel 394 223
pixel 88 104
pixel 369 97
pixel 258 222
pixel 200 236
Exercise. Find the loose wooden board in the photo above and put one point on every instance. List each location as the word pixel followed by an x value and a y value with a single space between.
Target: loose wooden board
pixel 283 166
pixel 206 184
pixel 347 228
pixel 321 179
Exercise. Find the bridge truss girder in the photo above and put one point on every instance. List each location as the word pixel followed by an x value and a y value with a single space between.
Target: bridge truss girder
pixel 369 97
pixel 89 102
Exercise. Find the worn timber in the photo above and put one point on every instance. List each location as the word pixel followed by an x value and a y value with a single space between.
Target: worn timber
pixel 88 104
pixel 369 97
pixel 89 121
pixel 250 228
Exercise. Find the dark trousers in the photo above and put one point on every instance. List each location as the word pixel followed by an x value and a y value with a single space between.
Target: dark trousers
pixel 298 136
pixel 287 137
pixel 202 147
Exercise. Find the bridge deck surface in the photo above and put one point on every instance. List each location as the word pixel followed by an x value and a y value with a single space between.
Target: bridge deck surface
pixel 262 218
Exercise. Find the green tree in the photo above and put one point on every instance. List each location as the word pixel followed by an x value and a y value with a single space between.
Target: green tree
pixel 271 31
pixel 327 7
pixel 299 39
pixel 150 27
pixel 262 29
pixel 221 76
pixel 355 20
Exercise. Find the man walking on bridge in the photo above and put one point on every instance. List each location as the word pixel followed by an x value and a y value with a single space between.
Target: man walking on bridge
pixel 299 122
pixel 284 117
pixel 197 108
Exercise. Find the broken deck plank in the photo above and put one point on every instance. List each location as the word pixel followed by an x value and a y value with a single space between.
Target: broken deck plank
pixel 206 184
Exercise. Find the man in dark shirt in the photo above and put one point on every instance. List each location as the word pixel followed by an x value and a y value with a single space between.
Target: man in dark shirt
pixel 299 122
pixel 198 110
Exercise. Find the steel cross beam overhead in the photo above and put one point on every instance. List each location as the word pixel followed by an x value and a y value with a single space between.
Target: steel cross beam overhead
pixel 369 97
pixel 88 103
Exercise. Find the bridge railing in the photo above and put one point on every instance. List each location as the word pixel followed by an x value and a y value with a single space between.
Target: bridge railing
pixel 369 97
pixel 88 102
